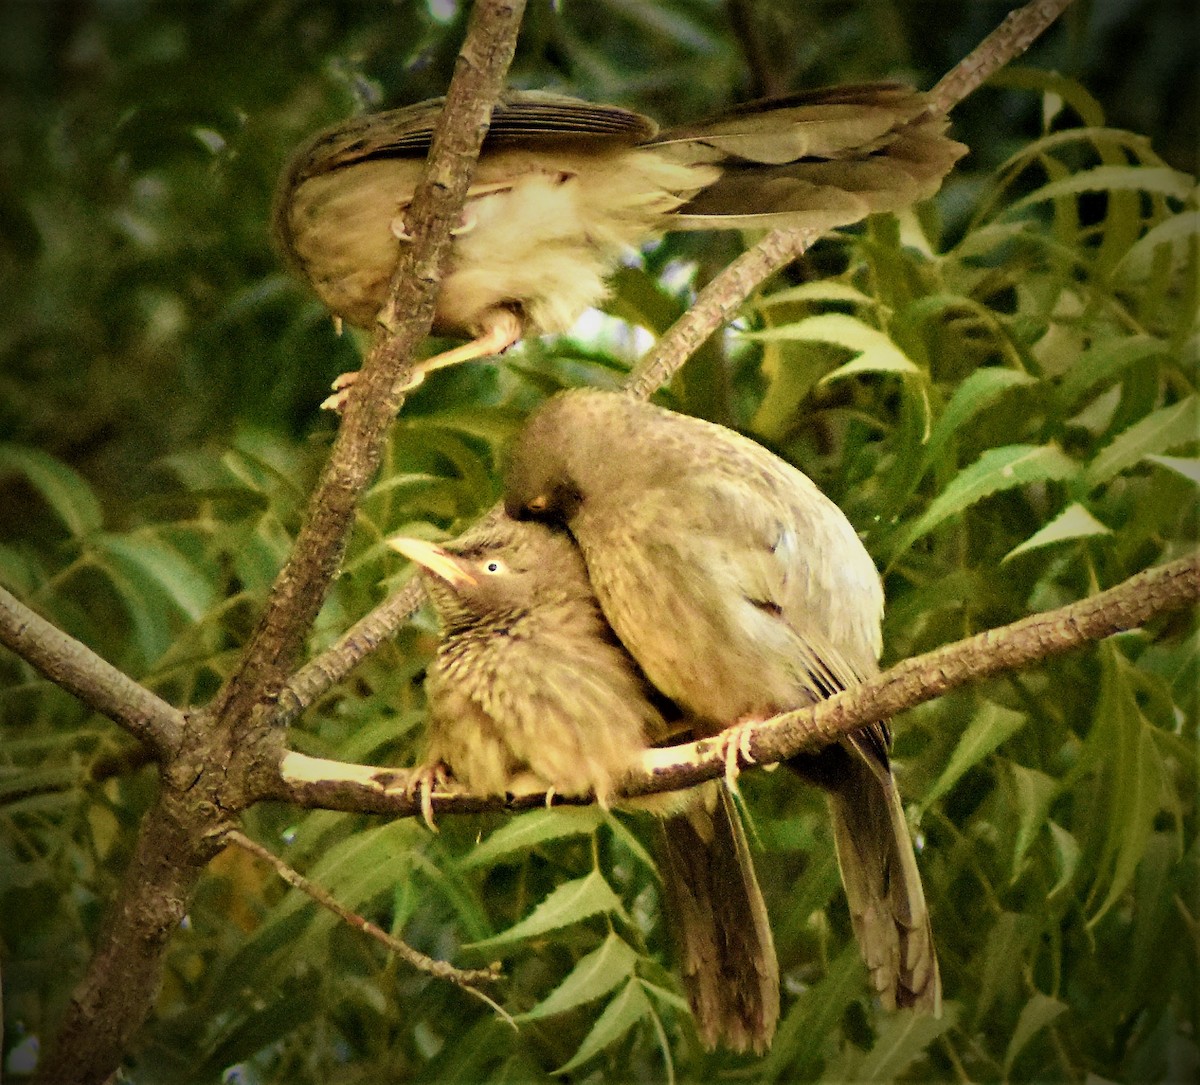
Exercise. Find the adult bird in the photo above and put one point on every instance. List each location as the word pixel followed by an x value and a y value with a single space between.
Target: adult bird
pixel 530 691
pixel 741 591
pixel 563 188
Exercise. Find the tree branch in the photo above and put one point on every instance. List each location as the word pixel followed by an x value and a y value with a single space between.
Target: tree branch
pixel 300 588
pixel 95 681
pixel 333 785
pixel 1003 45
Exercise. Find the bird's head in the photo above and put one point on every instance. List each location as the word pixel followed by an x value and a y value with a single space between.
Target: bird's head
pixel 497 572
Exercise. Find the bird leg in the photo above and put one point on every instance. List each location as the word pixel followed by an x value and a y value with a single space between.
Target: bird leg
pixel 423 780
pixel 502 328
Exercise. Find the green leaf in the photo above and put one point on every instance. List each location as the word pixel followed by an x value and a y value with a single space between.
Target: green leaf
pixel 1036 1014
pixel 818 291
pixel 1131 776
pixel 1158 179
pixel 996 469
pixel 1074 522
pixel 1188 468
pixel 602 970
pixel 903 1036
pixel 1097 368
pixel 990 726
pixel 150 560
pixel 1159 431
pixel 619 1016
pixel 1035 791
pixel 974 395
pixel 569 903
pixel 1179 231
pixel 65 490
pixel 876 352
pixel 1068 853
pixel 529 830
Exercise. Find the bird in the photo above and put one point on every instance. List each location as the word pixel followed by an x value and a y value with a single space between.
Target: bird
pixel 564 188
pixel 741 591
pixel 530 691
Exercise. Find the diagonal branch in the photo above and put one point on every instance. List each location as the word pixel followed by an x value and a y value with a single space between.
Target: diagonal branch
pixel 95 681
pixel 313 782
pixel 301 586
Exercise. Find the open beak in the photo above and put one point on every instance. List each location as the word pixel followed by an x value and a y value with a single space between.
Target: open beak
pixel 438 561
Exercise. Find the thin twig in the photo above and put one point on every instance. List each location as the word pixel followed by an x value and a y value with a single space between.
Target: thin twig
pixel 1027 642
pixel 461 977
pixel 96 682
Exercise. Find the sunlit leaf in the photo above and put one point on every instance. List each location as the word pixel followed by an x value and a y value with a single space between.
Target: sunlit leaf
pixel 1188 468
pixel 1159 431
pixel 569 903
pixel 996 469
pixel 1074 522
pixel 975 394
pixel 1161 180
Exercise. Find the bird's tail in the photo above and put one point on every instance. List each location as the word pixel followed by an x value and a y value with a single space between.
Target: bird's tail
pixel 716 911
pixel 819 159
pixel 883 887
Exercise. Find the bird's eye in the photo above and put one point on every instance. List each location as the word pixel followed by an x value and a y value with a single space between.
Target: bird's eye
pixel 493 566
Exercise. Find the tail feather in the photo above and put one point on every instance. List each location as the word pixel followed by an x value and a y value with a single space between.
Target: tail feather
pixel 719 921
pixel 883 890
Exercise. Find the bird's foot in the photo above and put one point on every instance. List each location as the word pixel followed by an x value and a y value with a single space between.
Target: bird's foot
pixel 736 748
pixel 341 392
pixel 423 782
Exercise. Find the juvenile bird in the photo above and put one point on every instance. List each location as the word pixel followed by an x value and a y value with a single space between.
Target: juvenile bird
pixel 564 188
pixel 741 591
pixel 530 691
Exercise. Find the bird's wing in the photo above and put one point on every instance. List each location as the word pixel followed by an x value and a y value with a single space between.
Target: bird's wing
pixel 520 119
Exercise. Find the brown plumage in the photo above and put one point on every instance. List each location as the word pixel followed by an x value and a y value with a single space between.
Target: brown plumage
pixel 741 591
pixel 531 691
pixel 564 187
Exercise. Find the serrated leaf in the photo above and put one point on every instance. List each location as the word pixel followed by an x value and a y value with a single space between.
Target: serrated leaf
pixel 619 1016
pixel 64 489
pixel 1157 179
pixel 1189 469
pixel 974 395
pixel 1179 230
pixel 1159 431
pixel 996 469
pixel 991 725
pixel 876 351
pixel 1097 367
pixel 903 1036
pixel 1035 791
pixel 529 830
pixel 1074 522
pixel 1036 1014
pixel 593 976
pixel 569 903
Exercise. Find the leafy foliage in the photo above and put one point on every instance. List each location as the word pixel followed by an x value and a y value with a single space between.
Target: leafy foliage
pixel 1004 407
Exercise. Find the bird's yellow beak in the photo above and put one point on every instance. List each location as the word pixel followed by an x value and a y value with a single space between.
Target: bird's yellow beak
pixel 437 560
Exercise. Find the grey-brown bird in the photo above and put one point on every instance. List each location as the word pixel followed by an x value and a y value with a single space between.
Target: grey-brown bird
pixel 741 591
pixel 564 188
pixel 530 691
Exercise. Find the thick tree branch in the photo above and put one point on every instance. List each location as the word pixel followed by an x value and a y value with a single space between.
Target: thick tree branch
pixel 96 682
pixel 301 586
pixel 122 981
pixel 335 785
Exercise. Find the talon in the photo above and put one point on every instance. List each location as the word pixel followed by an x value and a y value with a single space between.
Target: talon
pixel 550 793
pixel 469 222
pixel 399 230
